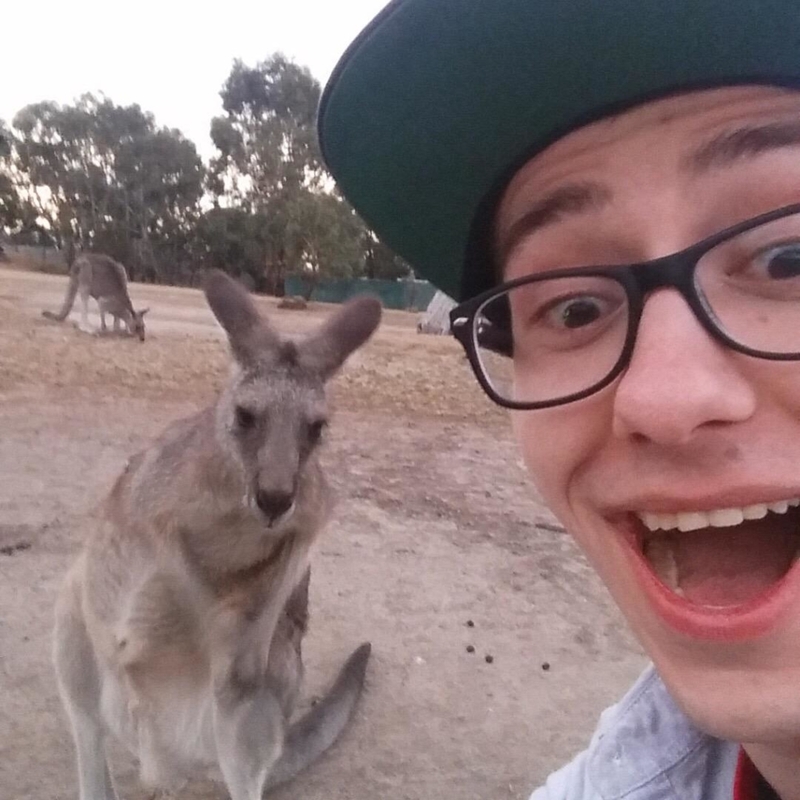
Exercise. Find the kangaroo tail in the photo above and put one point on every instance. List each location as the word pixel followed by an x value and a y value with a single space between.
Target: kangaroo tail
pixel 69 300
pixel 314 733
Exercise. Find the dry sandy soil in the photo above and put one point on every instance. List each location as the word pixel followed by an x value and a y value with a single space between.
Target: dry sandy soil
pixel 435 527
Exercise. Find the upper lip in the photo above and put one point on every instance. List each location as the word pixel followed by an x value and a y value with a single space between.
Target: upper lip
pixel 730 498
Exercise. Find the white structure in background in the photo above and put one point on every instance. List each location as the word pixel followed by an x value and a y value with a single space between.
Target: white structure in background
pixel 436 319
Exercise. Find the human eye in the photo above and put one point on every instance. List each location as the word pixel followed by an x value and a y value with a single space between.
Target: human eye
pixel 771 269
pixel 752 286
pixel 779 262
pixel 566 312
pixel 574 312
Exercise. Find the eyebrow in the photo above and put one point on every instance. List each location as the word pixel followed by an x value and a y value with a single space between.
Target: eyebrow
pixel 572 198
pixel 744 142
pixel 576 198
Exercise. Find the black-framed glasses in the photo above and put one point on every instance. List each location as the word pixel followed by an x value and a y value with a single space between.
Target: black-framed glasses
pixel 555 337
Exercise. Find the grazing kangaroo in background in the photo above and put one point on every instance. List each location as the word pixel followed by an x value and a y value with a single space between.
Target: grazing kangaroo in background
pixel 105 280
pixel 179 627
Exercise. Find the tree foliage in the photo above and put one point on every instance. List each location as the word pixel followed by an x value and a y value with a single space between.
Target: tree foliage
pixel 97 176
pixel 380 262
pixel 233 240
pixel 266 141
pixel 11 211
pixel 105 177
pixel 269 163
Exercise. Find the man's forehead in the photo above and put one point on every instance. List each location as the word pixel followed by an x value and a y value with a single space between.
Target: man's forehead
pixel 697 116
pixel 705 131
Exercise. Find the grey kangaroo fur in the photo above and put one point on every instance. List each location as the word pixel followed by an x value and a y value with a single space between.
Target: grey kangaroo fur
pixel 100 277
pixel 179 626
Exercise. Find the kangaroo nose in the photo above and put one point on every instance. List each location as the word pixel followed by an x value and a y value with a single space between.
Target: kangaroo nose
pixel 274 504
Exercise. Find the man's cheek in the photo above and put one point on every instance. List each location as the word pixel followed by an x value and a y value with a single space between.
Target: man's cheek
pixel 544 459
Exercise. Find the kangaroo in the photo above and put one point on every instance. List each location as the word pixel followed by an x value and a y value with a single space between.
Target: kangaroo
pixel 179 627
pixel 100 277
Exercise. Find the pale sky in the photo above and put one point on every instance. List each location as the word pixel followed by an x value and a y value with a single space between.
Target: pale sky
pixel 171 57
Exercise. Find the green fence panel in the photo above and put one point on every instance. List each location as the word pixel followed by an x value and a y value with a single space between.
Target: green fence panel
pixel 401 295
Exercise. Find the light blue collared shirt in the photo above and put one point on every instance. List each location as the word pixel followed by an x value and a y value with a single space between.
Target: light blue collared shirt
pixel 645 748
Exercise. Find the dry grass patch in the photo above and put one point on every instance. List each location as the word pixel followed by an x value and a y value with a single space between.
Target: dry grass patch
pixel 399 371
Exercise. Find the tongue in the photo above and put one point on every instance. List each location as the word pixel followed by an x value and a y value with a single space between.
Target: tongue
pixel 730 566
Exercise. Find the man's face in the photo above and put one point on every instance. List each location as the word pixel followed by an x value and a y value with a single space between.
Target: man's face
pixel 691 427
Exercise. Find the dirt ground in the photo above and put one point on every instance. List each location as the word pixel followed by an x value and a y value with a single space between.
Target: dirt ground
pixel 436 526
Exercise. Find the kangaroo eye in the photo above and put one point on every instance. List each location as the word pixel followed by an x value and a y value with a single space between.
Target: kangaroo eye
pixel 245 418
pixel 316 429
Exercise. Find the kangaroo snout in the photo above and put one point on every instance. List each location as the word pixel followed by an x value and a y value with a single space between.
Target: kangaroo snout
pixel 274 504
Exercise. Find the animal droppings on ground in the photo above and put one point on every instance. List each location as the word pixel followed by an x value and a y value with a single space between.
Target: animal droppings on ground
pixel 546 666
pixel 489 659
pixel 470 648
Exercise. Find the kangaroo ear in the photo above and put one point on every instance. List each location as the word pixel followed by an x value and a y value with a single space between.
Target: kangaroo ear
pixel 144 311
pixel 344 332
pixel 248 333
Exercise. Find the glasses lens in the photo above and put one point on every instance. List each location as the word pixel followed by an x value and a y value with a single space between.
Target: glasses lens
pixel 751 284
pixel 547 340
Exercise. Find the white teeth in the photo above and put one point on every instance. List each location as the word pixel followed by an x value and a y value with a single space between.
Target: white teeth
pixel 665 522
pixel 755 512
pixel 651 521
pixel 726 517
pixel 686 521
pixel 692 521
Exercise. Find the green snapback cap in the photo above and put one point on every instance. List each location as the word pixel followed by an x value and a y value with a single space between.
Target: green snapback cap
pixel 438 102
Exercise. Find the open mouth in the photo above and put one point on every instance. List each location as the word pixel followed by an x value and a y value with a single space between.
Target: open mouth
pixel 722 558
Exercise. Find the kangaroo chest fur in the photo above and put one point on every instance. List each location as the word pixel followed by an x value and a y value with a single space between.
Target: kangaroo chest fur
pixel 175 644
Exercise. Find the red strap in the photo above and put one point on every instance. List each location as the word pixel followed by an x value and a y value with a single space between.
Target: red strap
pixel 745 785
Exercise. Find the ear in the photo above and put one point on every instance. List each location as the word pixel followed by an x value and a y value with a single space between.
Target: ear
pixel 144 311
pixel 248 333
pixel 344 332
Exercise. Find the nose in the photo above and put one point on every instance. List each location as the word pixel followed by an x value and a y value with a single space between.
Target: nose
pixel 679 379
pixel 274 504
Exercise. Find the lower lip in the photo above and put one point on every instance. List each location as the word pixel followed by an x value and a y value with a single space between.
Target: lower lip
pixel 727 624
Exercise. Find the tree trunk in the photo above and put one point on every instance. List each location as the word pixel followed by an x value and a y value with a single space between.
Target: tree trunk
pixel 310 284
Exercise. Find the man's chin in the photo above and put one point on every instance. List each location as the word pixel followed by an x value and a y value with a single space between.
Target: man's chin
pixel 739 702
